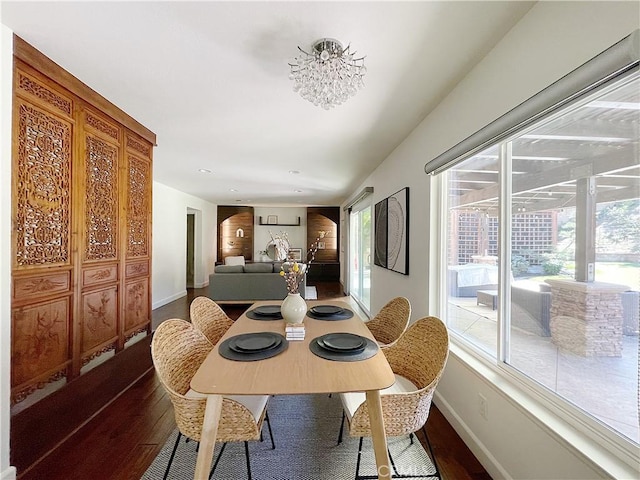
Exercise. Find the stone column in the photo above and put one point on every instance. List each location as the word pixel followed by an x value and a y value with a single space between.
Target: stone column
pixel 586 318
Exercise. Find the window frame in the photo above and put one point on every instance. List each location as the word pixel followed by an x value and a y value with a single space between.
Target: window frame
pixel 571 424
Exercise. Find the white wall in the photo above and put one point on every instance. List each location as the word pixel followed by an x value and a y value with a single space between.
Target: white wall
pixel 297 235
pixel 6 72
pixel 550 41
pixel 169 274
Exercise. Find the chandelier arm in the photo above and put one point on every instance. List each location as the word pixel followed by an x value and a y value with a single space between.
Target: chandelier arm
pixel 306 53
pixel 298 67
pixel 350 65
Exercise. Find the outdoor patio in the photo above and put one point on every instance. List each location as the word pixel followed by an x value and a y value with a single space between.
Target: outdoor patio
pixel 606 387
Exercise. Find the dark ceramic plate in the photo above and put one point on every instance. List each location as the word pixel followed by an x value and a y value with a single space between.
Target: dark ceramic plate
pixel 326 310
pixel 254 342
pixel 319 348
pixel 267 310
pixel 342 342
pixel 278 345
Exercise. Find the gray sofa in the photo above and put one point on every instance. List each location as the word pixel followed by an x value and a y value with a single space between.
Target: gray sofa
pixel 249 283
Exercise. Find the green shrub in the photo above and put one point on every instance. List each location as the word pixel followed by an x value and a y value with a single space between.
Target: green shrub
pixel 519 265
pixel 552 264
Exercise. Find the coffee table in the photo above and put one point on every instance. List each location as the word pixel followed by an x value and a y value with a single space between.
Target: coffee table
pixel 488 298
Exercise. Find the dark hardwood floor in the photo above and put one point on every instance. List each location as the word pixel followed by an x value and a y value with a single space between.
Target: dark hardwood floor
pixel 122 440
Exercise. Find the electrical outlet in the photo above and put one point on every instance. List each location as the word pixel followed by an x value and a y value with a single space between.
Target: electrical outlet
pixel 483 408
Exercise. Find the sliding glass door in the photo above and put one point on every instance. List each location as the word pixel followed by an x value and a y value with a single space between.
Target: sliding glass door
pixel 360 254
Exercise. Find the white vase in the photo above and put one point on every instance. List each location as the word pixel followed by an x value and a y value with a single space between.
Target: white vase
pixel 294 308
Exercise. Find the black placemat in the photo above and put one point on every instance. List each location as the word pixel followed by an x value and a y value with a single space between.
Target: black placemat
pixel 265 313
pixel 227 352
pixel 346 314
pixel 370 349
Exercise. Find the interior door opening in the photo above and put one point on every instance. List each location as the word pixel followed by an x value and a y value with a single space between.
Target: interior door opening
pixel 191 222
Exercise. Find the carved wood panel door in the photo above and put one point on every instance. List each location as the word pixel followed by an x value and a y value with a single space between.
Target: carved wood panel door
pixel 137 280
pixel 97 180
pixel 81 240
pixel 42 297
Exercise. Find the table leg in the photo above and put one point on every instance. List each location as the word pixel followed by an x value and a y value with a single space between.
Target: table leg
pixel 208 437
pixel 377 434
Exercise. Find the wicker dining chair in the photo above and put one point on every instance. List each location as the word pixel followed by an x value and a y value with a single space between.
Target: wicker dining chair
pixel 391 321
pixel 178 349
pixel 417 359
pixel 209 318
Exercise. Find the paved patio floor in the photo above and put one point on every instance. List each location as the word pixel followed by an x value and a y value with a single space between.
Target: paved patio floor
pixel 605 387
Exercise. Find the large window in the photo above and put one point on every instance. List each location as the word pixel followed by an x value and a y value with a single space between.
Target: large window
pixel 543 254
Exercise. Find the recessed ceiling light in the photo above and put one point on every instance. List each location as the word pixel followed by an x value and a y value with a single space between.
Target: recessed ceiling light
pixel 294 172
pixel 204 170
pixel 298 191
pixel 233 190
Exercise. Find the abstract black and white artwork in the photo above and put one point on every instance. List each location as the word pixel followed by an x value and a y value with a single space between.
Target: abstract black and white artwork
pixel 392 232
pixel 380 225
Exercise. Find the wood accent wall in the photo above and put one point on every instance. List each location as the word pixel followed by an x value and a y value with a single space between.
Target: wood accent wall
pixel 81 213
pixel 325 219
pixel 230 243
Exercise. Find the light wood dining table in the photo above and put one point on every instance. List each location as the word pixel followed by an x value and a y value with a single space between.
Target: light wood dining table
pixel 295 371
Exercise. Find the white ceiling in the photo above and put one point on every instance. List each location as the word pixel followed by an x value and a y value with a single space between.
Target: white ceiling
pixel 211 80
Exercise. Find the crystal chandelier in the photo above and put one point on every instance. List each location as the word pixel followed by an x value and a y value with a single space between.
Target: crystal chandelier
pixel 329 75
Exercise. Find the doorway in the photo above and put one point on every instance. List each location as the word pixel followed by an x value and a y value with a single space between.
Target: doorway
pixel 191 228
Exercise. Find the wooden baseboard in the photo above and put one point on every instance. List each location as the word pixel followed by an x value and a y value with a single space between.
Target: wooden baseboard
pixel 38 429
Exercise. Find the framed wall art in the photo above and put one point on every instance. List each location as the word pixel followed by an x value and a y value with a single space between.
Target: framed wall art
pixel 380 225
pixel 295 254
pixel 392 232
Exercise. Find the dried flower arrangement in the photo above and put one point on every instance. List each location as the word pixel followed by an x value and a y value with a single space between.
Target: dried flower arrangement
pixel 293 271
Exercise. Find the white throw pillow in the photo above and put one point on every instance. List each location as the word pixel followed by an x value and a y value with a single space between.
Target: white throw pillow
pixel 237 260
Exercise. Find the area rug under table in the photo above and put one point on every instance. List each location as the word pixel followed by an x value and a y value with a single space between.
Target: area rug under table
pixel 305 430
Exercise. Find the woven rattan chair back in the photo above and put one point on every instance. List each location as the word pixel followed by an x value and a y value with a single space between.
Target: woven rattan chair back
pixel 391 321
pixel 420 355
pixel 178 349
pixel 209 318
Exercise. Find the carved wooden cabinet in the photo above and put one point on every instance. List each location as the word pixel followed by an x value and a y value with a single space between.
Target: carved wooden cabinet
pixel 81 241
